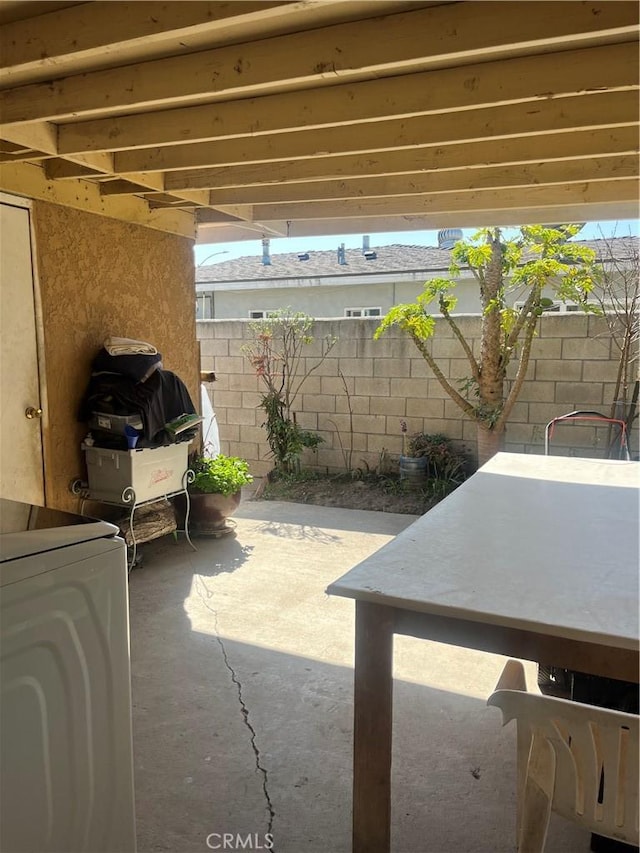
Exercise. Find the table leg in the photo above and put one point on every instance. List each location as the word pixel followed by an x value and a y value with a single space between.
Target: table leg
pixel 373 700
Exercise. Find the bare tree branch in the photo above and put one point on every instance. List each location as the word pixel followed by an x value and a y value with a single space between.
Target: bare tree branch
pixel 513 335
pixel 516 387
pixel 467 407
pixel 475 369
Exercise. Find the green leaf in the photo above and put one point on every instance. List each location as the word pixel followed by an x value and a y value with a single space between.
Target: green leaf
pixel 508 317
pixel 223 475
pixel 411 318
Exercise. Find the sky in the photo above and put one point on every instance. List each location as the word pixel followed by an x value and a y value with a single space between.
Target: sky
pixel 213 253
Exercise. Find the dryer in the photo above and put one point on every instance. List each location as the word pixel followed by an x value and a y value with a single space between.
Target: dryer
pixel 66 775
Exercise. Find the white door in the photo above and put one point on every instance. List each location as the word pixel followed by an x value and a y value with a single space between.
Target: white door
pixel 21 474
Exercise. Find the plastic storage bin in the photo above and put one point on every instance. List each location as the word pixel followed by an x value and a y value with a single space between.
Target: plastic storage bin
pixel 151 472
pixel 114 423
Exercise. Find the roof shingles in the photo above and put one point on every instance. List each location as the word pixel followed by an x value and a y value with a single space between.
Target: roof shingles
pixel 389 259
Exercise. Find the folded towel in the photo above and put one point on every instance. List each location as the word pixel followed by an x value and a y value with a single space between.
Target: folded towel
pixel 128 346
pixel 136 366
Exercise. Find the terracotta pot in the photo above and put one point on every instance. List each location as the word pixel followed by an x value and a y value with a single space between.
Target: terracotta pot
pixel 209 512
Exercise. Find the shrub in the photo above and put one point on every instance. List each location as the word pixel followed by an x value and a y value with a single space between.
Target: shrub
pixel 223 475
pixel 277 354
pixel 446 462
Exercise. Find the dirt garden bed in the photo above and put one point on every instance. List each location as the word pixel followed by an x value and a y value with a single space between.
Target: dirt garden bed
pixel 371 492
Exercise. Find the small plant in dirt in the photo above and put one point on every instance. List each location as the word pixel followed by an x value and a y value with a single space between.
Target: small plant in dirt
pixel 346 449
pixel 406 448
pixel 277 353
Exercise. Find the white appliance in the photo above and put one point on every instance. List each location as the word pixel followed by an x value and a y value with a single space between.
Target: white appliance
pixel 66 768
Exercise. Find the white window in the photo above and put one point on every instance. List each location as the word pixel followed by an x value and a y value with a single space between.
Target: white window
pixel 261 315
pixel 204 306
pixel 362 312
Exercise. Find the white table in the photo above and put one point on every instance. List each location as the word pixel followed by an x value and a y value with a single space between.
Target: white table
pixel 534 557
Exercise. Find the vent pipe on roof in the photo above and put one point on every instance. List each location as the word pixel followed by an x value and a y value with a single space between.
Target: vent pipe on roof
pixel 448 237
pixel 266 259
pixel 342 258
pixel 366 244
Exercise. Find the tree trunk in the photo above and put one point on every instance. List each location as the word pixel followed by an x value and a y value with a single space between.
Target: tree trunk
pixel 489 443
pixel 491 384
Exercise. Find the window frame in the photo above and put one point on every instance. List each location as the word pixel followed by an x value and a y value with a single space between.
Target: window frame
pixel 206 298
pixel 369 311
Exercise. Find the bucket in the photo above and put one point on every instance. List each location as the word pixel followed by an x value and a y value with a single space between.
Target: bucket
pixel 413 469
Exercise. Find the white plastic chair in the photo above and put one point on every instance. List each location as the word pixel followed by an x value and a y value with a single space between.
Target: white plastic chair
pixel 574 759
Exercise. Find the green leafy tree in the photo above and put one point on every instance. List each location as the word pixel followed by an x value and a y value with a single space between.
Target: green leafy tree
pixel 536 258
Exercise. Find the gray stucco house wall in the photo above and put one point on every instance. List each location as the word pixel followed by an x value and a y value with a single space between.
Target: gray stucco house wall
pixel 341 283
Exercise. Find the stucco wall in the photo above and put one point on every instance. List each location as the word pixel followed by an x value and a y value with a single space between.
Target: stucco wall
pixel 98 277
pixel 323 301
pixel 573 366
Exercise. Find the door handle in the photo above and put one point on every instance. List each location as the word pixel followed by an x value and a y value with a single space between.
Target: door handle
pixel 32 413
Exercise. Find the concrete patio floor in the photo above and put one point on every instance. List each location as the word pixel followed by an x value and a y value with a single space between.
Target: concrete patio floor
pixel 242 696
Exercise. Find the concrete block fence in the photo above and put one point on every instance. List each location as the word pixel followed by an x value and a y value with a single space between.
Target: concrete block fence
pixel 573 366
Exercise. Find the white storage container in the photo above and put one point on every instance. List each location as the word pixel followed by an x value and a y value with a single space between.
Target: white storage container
pixel 151 472
pixel 114 423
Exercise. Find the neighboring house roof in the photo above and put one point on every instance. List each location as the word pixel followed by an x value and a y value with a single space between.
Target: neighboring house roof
pixel 388 259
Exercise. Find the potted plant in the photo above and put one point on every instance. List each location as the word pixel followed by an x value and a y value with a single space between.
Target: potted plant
pixel 215 491
pixel 446 465
pixel 413 465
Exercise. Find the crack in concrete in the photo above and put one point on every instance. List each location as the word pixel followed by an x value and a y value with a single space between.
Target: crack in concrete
pixel 201 585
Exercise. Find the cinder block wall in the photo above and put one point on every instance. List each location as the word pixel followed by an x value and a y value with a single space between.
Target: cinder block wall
pixel 573 366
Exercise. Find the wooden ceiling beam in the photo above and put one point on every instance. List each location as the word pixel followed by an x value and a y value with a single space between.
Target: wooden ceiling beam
pixel 553 147
pixel 12 152
pixel 601 211
pixel 30 180
pixel 7 147
pixel 120 186
pixel 96 164
pixel 41 136
pixel 462 33
pixel 490 199
pixel 47 44
pixel 216 219
pixel 211 215
pixel 63 41
pixel 23 156
pixel 57 169
pixel 461 180
pixel 530 78
pixel 606 109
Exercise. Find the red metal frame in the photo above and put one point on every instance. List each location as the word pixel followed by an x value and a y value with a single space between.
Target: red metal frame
pixel 588 416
